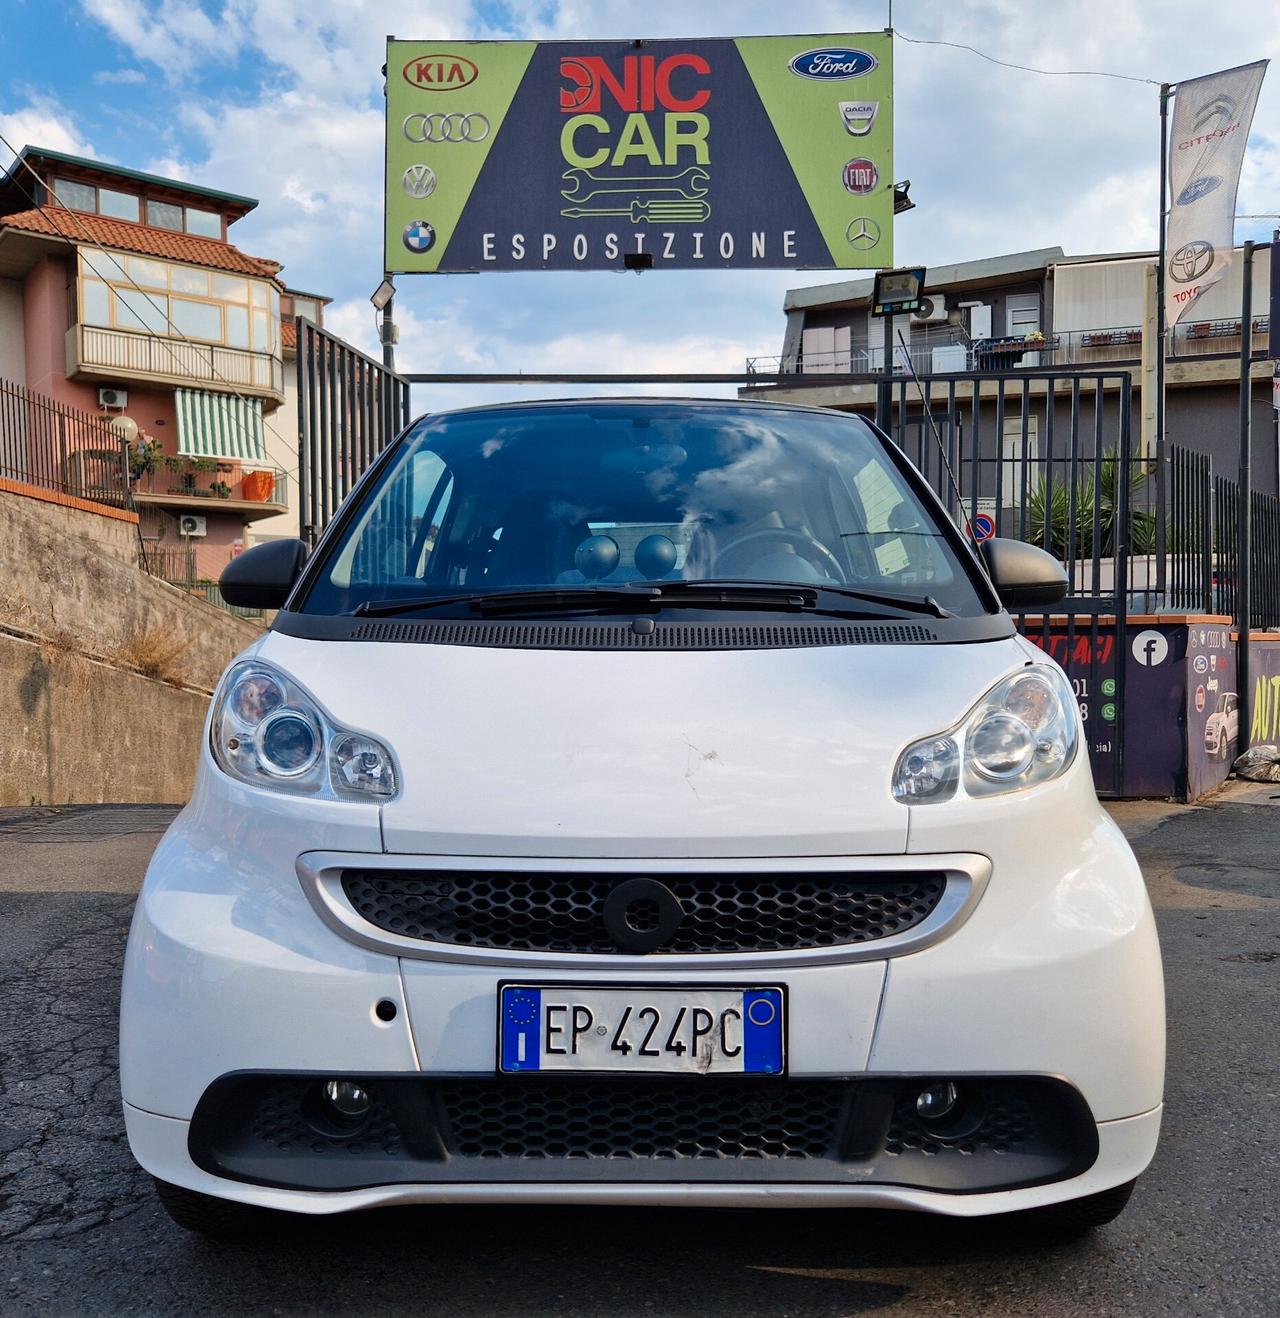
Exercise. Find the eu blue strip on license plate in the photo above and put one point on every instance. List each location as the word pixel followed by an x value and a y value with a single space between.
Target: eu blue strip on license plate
pixel 642 1029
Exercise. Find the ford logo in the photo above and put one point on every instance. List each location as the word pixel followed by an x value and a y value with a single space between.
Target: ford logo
pixel 440 73
pixel 834 63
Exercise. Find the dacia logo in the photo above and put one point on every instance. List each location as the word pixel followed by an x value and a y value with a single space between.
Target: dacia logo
pixel 440 73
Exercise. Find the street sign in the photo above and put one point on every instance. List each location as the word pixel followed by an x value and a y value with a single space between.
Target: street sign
pixel 984 526
pixel 748 153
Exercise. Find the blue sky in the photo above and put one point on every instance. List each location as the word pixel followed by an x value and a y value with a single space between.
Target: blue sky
pixel 281 100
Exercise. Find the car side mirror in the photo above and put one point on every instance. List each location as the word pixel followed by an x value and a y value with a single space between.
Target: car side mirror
pixel 1022 574
pixel 262 577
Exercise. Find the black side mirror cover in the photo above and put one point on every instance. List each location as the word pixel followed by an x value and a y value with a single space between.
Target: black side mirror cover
pixel 1023 574
pixel 262 577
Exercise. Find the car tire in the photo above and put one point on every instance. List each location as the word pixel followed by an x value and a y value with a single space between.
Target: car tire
pixel 1076 1217
pixel 207 1216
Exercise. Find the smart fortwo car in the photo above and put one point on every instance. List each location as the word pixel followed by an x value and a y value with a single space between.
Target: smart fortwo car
pixel 643 802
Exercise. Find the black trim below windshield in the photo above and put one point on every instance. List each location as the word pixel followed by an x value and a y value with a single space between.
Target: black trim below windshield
pixel 687 630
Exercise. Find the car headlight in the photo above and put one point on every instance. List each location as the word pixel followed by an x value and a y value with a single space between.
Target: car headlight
pixel 1024 731
pixel 268 731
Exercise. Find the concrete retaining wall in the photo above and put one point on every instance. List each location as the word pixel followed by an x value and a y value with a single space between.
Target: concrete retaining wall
pixel 80 731
pixel 72 576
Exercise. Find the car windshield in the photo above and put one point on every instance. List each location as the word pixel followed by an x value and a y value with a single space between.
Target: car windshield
pixel 590 495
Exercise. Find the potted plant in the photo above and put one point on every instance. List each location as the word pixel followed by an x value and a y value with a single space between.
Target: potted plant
pixel 221 489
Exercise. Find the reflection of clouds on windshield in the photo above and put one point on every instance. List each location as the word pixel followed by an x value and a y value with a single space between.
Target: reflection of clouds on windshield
pixel 490 447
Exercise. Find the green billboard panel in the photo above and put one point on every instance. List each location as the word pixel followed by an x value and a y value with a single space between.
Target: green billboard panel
pixel 754 153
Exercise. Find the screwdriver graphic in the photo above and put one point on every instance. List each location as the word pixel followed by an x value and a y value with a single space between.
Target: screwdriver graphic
pixel 657 211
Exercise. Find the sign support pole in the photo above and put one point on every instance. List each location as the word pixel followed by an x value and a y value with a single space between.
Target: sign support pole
pixel 884 401
pixel 1161 335
pixel 1244 610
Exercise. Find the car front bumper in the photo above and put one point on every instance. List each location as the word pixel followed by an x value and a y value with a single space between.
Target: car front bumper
pixel 1052 972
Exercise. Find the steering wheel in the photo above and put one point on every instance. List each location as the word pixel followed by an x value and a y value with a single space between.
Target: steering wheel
pixel 810 549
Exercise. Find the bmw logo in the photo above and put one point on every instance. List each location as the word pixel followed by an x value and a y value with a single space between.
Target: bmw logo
pixel 419 236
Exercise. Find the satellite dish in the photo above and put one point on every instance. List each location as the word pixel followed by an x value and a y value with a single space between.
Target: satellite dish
pixel 125 427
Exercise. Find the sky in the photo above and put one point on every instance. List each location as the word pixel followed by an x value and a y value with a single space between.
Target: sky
pixel 281 100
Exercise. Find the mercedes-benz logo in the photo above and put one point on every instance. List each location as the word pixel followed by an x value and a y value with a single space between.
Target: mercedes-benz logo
pixel 419 181
pixel 1191 260
pixel 862 234
pixel 641 914
pixel 457 126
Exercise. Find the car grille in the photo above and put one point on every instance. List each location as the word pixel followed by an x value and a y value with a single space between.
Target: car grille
pixel 638 1119
pixel 538 912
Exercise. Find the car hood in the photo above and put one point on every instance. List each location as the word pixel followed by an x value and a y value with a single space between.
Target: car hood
pixel 651 754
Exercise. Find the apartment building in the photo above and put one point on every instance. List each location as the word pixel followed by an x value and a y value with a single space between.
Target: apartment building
pixel 122 294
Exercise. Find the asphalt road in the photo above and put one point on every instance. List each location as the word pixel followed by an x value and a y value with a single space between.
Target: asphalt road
pixel 80 1231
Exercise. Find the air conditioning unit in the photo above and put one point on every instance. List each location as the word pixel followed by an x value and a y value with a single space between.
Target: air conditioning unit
pixel 932 310
pixel 113 398
pixel 190 524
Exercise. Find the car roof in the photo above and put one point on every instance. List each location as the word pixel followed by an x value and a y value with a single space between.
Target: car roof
pixel 632 402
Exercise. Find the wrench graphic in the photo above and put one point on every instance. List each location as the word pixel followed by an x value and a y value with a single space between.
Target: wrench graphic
pixel 582 184
pixel 659 211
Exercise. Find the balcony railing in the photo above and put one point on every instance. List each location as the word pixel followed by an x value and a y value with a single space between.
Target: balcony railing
pixel 121 354
pixel 212 480
pixel 54 447
pixel 1190 340
pixel 194 567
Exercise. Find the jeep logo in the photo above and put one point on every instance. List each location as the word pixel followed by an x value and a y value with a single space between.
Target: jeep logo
pixel 440 73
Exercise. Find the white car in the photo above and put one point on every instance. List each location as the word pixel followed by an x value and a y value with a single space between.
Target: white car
pixel 643 802
pixel 1222 727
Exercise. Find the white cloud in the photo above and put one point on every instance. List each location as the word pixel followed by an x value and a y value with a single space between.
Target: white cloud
pixel 119 77
pixel 173 35
pixel 43 121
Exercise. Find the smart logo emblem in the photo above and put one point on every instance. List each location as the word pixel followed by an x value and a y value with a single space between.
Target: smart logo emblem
pixel 1150 649
pixel 419 181
pixel 833 63
pixel 440 73
pixel 860 177
pixel 419 236
pixel 862 234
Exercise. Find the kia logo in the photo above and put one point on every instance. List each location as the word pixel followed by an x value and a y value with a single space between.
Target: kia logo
pixel 440 73
pixel 834 63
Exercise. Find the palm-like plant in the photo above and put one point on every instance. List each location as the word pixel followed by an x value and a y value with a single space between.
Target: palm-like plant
pixel 1055 506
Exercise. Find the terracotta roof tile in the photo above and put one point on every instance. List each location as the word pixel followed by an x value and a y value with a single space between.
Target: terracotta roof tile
pixel 142 239
pixel 289 333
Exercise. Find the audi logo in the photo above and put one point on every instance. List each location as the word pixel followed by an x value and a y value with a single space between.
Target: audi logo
pixel 455 127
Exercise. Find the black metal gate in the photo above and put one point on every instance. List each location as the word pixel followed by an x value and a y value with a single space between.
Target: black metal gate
pixel 1046 457
pixel 350 407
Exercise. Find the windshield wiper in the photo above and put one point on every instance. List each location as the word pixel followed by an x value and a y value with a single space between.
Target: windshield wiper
pixel 496 601
pixel 764 595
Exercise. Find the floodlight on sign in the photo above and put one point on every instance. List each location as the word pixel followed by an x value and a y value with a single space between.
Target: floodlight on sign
pixel 898 292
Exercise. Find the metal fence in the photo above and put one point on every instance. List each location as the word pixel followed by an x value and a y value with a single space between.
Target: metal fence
pixel 349 409
pixel 1204 542
pixel 192 567
pixel 55 447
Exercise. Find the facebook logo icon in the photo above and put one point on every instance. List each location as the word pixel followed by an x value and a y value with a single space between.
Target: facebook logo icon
pixel 1150 648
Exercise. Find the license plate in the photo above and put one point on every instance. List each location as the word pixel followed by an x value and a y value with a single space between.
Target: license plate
pixel 641 1030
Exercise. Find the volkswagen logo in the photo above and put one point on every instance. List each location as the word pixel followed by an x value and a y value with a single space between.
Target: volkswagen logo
pixel 642 914
pixel 862 234
pixel 419 181
pixel 1191 260
pixel 454 127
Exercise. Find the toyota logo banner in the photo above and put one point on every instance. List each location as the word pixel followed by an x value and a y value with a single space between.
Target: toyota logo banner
pixel 1211 118
pixel 755 153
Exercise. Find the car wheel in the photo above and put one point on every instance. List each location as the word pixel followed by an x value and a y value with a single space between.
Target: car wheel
pixel 1222 746
pixel 1076 1217
pixel 207 1216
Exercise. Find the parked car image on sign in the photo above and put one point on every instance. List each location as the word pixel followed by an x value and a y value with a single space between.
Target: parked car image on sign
pixel 643 802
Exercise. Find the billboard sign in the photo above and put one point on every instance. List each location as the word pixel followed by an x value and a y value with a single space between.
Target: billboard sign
pixel 748 153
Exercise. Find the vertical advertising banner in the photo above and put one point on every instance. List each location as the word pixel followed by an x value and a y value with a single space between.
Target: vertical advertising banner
pixel 755 153
pixel 1211 119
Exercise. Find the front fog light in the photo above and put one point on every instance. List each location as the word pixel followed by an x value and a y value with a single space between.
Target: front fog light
pixel 347 1100
pixel 937 1101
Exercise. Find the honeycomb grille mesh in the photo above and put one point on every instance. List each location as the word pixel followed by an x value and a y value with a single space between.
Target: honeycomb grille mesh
pixel 536 912
pixel 1008 1121
pixel 539 1118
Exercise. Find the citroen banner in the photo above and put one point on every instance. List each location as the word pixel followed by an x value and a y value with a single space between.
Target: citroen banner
pixel 751 153
pixel 1211 118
